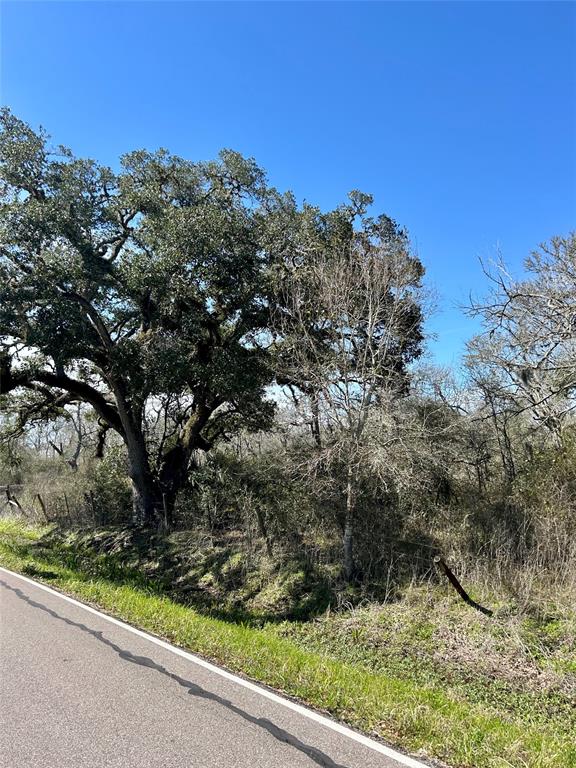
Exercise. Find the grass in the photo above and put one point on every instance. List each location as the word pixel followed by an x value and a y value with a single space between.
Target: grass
pixel 372 668
pixel 510 666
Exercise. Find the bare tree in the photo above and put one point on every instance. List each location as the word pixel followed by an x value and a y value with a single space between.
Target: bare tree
pixel 351 327
pixel 528 347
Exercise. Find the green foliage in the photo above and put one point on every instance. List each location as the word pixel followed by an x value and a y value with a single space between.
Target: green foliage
pixel 126 289
pixel 10 462
pixel 228 491
pixel 167 252
pixel 546 479
pixel 108 482
pixel 148 294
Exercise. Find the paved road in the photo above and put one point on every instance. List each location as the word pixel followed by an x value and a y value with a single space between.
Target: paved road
pixel 78 690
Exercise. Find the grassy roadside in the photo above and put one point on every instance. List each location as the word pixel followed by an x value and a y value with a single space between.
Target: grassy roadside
pixel 411 711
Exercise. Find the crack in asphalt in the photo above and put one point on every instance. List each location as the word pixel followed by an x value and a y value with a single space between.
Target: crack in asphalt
pixel 316 755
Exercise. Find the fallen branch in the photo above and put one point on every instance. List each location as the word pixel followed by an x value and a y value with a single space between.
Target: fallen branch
pixel 459 588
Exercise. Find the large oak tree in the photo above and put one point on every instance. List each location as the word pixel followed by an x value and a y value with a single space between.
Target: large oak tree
pixel 152 295
pixel 141 293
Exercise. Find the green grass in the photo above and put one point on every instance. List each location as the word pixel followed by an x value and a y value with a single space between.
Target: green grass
pixel 405 705
pixel 504 666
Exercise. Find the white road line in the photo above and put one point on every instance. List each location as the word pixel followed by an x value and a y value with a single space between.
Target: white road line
pixel 310 714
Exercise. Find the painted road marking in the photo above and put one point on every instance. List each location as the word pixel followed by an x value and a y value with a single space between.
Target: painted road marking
pixel 310 714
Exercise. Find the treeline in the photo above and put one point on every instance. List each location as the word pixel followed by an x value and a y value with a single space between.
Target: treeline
pixel 181 345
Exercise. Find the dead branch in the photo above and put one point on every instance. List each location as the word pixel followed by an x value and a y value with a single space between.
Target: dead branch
pixel 459 588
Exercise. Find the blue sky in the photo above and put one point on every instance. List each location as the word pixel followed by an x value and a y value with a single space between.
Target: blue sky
pixel 460 118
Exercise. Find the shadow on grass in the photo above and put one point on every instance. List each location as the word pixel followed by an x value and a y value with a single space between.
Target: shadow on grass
pixel 40 573
pixel 218 578
pixel 89 561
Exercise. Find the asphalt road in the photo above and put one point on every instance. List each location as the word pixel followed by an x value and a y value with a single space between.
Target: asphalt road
pixel 77 689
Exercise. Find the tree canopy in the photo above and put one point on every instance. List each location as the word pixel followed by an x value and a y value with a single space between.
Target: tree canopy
pixel 149 294
pixel 134 289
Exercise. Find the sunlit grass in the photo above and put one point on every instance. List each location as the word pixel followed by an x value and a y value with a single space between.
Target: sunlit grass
pixel 422 719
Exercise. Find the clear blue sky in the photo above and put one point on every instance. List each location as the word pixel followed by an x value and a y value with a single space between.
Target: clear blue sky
pixel 460 118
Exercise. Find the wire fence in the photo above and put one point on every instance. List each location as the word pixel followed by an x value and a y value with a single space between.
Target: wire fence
pixel 51 505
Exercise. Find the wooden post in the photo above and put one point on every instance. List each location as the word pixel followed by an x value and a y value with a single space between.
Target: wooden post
pixel 165 526
pixel 459 588
pixel 68 510
pixel 43 506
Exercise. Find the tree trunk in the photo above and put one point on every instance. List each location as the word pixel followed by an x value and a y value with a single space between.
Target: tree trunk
pixel 103 428
pixel 146 499
pixel 142 504
pixel 154 497
pixel 348 540
pixel 504 444
pixel 315 423
pixel 173 475
pixel 263 530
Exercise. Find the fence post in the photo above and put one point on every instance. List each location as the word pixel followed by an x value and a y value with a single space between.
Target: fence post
pixel 43 507
pixel 165 510
pixel 68 510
